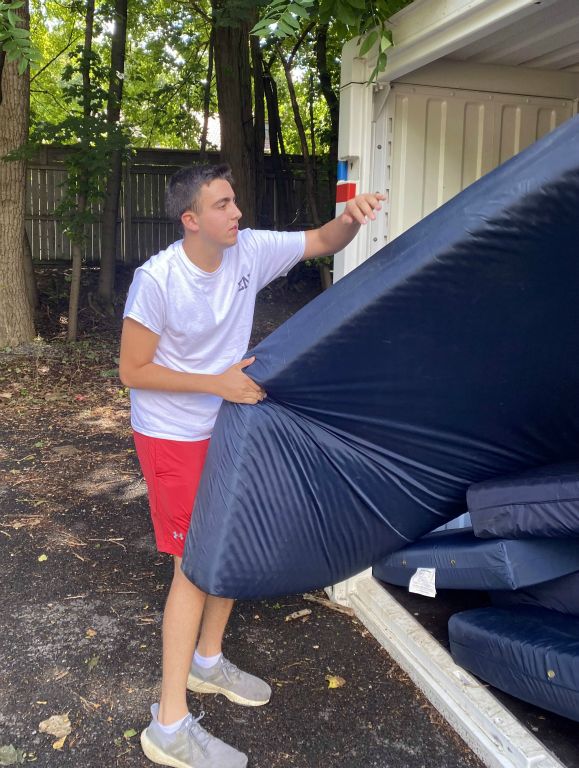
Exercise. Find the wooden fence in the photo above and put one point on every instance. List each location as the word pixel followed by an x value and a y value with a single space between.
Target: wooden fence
pixel 143 227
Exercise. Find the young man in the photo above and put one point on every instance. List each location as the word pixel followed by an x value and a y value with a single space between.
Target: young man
pixel 187 323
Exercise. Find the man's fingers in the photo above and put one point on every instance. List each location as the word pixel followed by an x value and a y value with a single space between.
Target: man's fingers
pixel 244 363
pixel 366 209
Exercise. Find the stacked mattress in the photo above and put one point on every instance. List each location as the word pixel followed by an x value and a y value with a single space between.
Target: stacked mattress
pixel 523 547
pixel 531 653
pixel 462 561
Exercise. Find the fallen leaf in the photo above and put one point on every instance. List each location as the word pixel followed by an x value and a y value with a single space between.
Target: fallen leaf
pixel 57 725
pixel 335 681
pixel 59 744
pixel 65 450
pixel 42 558
pixel 92 662
pixel 9 755
pixel 6 396
pixel 91 632
pixel 298 614
pixel 129 733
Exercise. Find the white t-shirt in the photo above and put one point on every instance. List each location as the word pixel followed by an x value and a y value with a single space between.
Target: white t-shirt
pixel 204 322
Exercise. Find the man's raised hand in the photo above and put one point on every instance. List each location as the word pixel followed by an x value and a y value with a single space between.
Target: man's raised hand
pixel 362 207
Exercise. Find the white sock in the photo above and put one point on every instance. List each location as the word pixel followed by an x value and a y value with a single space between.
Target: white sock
pixel 206 661
pixel 173 727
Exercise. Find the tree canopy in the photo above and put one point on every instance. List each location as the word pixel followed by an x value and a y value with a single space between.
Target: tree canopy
pixel 246 77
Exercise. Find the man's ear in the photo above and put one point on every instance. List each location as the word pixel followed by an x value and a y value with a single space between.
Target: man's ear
pixel 189 221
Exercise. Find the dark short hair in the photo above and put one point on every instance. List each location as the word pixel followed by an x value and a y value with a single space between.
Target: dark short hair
pixel 182 193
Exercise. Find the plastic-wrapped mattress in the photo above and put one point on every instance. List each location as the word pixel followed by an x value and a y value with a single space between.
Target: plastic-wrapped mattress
pixel 461 561
pixel 541 502
pixel 530 653
pixel 447 358
pixel 560 594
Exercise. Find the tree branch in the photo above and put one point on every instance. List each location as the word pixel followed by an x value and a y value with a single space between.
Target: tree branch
pixel 71 41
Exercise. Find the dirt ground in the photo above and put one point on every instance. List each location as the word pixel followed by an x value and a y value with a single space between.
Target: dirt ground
pixel 83 588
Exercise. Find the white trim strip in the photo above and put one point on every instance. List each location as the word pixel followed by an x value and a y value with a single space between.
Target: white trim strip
pixel 489 729
pixel 433 34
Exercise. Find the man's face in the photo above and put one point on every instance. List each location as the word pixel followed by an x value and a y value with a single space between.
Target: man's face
pixel 217 216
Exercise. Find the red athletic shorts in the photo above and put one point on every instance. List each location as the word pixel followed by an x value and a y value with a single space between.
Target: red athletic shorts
pixel 172 470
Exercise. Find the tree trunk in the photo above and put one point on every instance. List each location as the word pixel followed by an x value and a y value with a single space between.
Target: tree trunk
pixel 16 317
pixel 207 98
pixel 331 100
pixel 259 124
pixel 83 182
pixel 106 287
pixel 233 75
pixel 74 295
pixel 286 208
pixel 29 276
pixel 310 182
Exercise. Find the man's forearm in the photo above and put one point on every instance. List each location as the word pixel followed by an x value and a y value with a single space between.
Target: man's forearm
pixel 337 234
pixel 157 377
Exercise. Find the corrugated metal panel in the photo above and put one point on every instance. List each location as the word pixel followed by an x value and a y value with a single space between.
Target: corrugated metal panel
pixel 447 139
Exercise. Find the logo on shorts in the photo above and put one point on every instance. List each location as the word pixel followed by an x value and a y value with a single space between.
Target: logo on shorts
pixel 243 283
pixel 178 536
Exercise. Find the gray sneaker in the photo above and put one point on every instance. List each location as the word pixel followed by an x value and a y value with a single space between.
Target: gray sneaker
pixel 190 747
pixel 227 679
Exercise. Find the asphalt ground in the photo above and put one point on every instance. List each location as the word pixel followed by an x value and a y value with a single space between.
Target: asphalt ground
pixel 82 594
pixel 80 634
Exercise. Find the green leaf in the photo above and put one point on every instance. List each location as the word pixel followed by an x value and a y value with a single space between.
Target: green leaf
pixel 285 28
pixel 299 11
pixel 326 10
pixel 128 734
pixel 19 32
pixel 262 27
pixel 360 4
pixel 369 41
pixel 288 19
pixel 385 43
pixel 347 14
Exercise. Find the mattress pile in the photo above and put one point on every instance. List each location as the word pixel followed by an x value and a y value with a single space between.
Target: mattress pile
pixel 522 547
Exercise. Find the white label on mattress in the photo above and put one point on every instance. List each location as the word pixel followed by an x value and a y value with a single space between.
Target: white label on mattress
pixel 422 582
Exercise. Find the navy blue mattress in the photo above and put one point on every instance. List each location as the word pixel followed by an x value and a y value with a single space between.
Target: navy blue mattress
pixel 448 358
pixel 530 653
pixel 560 594
pixel 464 562
pixel 540 502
